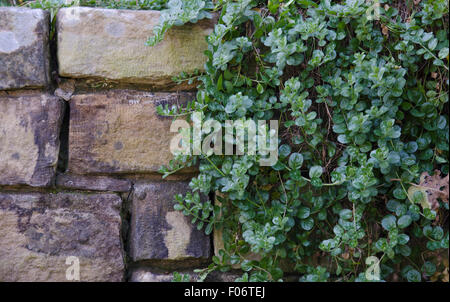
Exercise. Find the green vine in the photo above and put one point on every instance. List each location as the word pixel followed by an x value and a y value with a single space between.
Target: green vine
pixel 362 98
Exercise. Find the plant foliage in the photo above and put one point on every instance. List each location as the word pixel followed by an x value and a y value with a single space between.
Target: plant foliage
pixel 361 92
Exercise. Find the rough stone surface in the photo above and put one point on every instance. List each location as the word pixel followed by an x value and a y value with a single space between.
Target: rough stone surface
pixel 65 89
pixel 29 139
pixel 144 274
pixel 39 231
pixel 147 275
pixel 120 132
pixel 218 276
pixel 110 44
pixel 160 232
pixel 93 183
pixel 24 54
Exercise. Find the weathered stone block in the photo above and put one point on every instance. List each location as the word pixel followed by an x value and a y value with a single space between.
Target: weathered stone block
pixel 144 274
pixel 93 183
pixel 29 139
pixel 39 232
pixel 24 54
pixel 110 44
pixel 120 132
pixel 147 275
pixel 160 232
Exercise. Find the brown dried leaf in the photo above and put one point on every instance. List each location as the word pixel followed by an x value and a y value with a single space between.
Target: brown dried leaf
pixel 433 188
pixel 385 30
pixel 441 276
pixel 345 255
pixel 445 275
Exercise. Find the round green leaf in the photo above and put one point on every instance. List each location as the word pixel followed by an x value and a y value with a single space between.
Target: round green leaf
pixel 307 224
pixel 315 171
pixel 404 221
pixel 413 276
pixel 388 222
pixel 303 212
pixel 295 160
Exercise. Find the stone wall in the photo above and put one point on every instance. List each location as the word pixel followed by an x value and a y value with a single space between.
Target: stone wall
pixel 81 143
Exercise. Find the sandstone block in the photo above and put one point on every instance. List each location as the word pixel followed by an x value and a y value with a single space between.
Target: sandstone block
pixel 107 43
pixel 143 274
pixel 92 183
pixel 24 50
pixel 146 275
pixel 40 231
pixel 120 132
pixel 158 231
pixel 29 139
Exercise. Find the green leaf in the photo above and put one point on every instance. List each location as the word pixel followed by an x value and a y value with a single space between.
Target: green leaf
pixel 399 193
pixel 404 250
pixel 404 221
pixel 428 268
pixel 403 239
pixel 432 44
pixel 220 83
pixel 260 88
pixel 307 224
pixel 303 212
pixel 443 53
pixel 246 265
pixel 429 214
pixel 427 230
pixel 284 151
pixel 316 182
pixel 388 222
pixel 327 245
pixel 178 207
pixel 216 259
pixel 296 161
pixel 437 233
pixel 209 228
pixel 346 214
pixel 315 171
pixel 413 276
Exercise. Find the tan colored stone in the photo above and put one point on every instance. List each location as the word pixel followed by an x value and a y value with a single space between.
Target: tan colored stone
pixel 92 183
pixel 29 139
pixel 158 232
pixel 120 132
pixel 151 275
pixel 24 50
pixel 40 231
pixel 107 43
pixel 144 274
